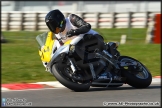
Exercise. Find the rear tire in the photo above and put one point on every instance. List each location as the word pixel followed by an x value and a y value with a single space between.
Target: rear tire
pixel 133 80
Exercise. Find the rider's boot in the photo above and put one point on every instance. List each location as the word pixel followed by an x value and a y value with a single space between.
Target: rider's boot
pixel 111 47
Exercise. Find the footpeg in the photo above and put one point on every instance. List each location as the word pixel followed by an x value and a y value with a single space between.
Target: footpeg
pixel 92 71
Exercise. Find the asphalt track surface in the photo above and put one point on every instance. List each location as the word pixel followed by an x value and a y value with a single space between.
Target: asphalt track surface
pixel 96 96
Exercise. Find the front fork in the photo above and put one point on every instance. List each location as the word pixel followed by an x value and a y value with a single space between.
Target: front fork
pixel 73 68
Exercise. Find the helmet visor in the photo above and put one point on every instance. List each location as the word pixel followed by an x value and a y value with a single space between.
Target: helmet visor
pixel 52 26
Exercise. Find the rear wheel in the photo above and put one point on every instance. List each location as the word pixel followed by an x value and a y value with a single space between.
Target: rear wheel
pixel 139 79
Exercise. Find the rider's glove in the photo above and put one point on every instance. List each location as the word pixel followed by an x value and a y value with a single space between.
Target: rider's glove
pixel 71 33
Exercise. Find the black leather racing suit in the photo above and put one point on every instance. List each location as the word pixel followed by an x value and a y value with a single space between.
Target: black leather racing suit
pixel 82 26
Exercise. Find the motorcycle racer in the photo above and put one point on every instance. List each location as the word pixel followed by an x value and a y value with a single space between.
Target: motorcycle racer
pixel 71 26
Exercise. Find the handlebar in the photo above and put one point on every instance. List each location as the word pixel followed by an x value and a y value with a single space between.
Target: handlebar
pixel 65 37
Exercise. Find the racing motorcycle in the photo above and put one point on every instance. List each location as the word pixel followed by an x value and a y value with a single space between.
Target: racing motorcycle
pixel 87 61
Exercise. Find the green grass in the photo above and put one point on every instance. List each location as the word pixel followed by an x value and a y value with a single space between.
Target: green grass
pixel 21 62
pixel 133 35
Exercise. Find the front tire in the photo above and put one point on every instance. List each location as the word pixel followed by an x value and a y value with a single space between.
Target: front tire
pixel 134 80
pixel 57 71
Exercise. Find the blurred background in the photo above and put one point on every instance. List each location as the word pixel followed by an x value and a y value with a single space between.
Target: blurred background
pixel 29 15
pixel 83 6
pixel 135 24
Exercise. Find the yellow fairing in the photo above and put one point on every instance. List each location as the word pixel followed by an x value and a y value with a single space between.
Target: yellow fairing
pixel 67 43
pixel 46 51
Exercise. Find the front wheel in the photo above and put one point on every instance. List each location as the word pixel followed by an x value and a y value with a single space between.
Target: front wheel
pixel 61 71
pixel 141 79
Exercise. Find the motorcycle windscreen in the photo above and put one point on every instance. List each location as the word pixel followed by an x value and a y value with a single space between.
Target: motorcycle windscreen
pixel 41 39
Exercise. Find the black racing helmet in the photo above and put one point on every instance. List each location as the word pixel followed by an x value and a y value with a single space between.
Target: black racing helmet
pixel 53 19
